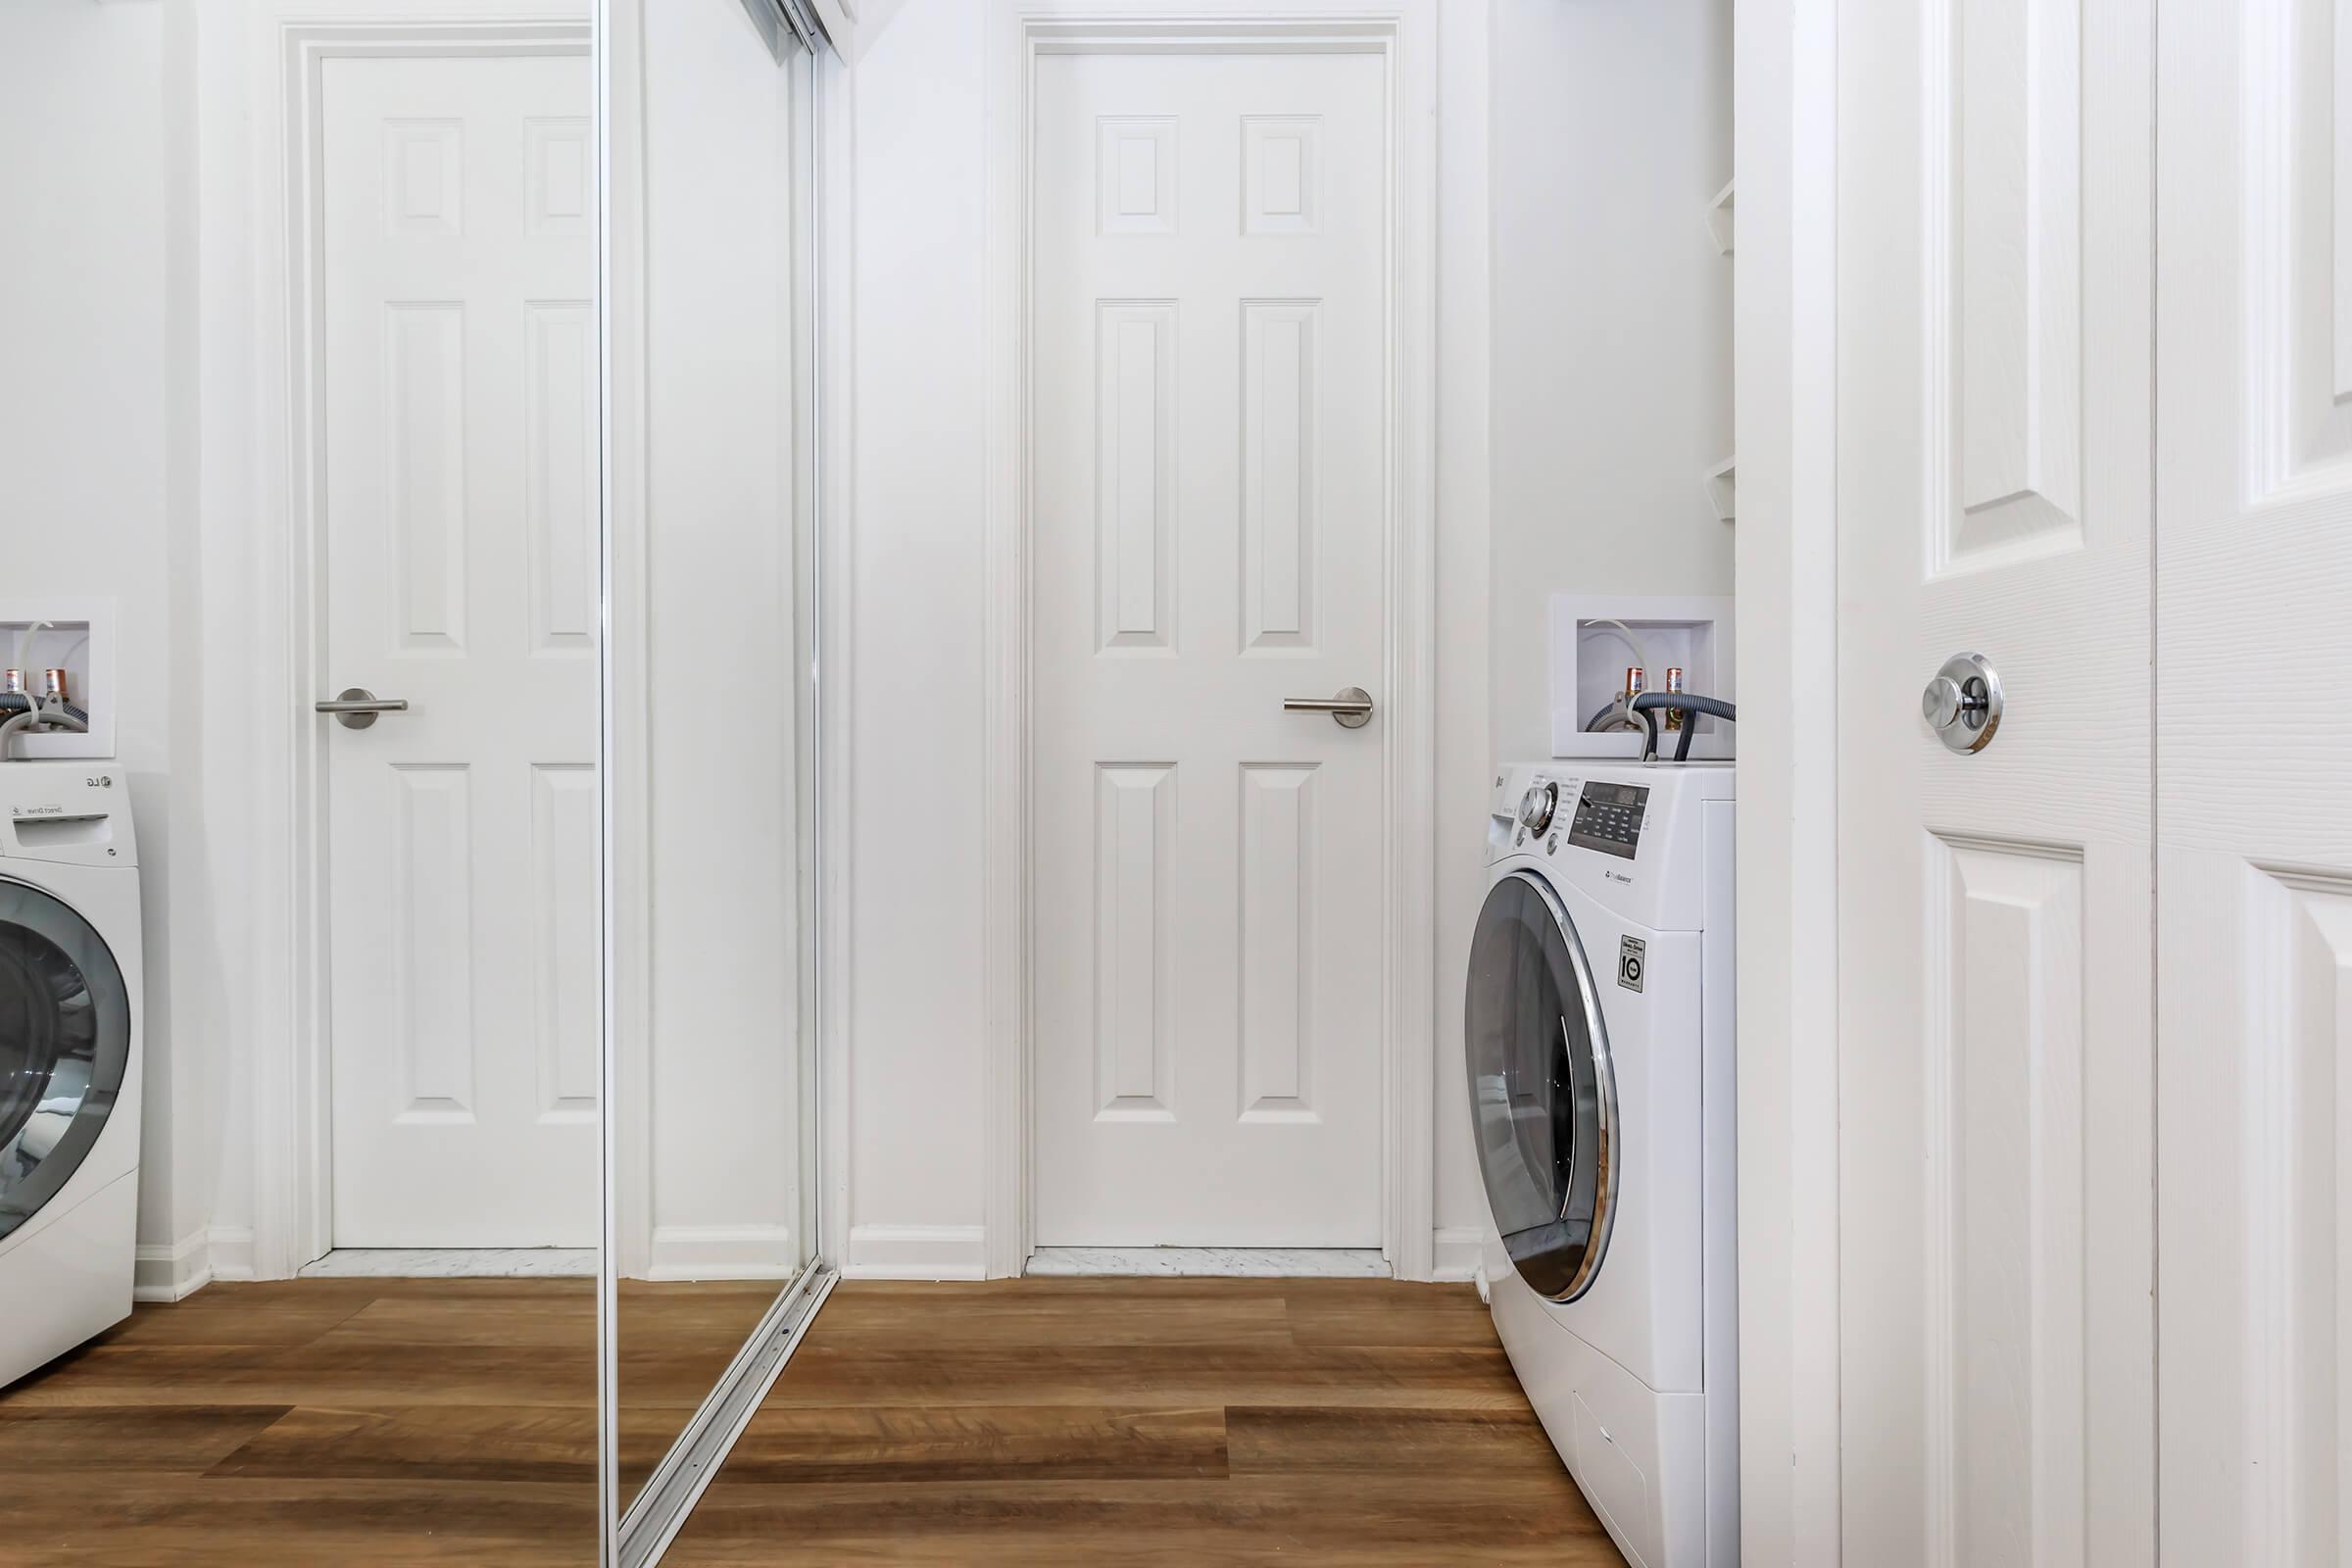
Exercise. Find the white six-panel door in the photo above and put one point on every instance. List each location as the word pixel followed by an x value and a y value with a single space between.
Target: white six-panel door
pixel 2254 779
pixel 459 261
pixel 1210 451
pixel 1995 1077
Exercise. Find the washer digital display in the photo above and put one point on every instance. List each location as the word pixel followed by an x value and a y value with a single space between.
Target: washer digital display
pixel 1608 818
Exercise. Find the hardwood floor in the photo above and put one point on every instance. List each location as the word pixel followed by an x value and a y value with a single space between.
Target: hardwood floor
pixel 316 1421
pixel 1146 1421
pixel 354 1421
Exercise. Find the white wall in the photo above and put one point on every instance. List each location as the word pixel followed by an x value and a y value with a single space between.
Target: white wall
pixel 721 416
pixel 96 354
pixel 916 1006
pixel 1605 396
pixel 1611 131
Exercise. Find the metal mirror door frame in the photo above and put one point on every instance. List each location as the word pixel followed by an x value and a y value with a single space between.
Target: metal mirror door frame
pixel 635 1531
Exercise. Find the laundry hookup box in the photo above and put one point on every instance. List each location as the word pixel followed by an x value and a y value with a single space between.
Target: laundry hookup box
pixel 1595 638
pixel 75 635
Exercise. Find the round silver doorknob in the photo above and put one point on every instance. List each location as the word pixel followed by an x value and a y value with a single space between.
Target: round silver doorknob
pixel 1962 703
pixel 1940 703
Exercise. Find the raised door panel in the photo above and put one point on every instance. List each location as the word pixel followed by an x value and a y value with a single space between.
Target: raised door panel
pixel 424 177
pixel 424 455
pixel 1135 469
pixel 1276 931
pixel 2297 172
pixel 560 480
pixel 2007 1346
pixel 431 834
pixel 2296 1257
pixel 565 947
pixel 1135 174
pixel 1279 515
pixel 2004 168
pixel 561 175
pixel 1135 1006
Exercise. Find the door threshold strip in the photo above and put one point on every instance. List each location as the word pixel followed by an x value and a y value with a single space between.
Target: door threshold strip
pixel 1211 1262
pixel 452 1264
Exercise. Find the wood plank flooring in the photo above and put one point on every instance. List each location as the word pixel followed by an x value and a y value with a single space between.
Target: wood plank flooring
pixel 316 1421
pixel 1146 1422
pixel 360 1420
pixel 357 1422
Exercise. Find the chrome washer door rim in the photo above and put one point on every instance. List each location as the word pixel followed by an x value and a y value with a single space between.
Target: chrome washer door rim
pixel 56 956
pixel 1542 1088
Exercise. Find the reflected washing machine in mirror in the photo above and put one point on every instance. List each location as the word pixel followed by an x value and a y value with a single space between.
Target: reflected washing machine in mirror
pixel 69 1057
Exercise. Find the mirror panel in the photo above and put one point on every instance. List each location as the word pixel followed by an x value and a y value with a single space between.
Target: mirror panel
pixel 713 804
pixel 300 1199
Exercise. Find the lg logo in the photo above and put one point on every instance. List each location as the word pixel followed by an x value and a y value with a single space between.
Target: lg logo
pixel 100 781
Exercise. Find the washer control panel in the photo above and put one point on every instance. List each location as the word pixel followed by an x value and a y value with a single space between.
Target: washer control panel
pixel 1608 818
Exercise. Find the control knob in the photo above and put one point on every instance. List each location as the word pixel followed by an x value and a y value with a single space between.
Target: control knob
pixel 1537 806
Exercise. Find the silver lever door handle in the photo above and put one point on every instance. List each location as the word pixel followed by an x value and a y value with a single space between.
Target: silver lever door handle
pixel 1349 708
pixel 357 706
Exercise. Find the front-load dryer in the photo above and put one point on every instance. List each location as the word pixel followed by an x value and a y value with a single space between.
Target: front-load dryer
pixel 1597 1031
pixel 69 1057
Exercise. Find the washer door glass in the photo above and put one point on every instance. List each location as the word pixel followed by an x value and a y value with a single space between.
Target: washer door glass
pixel 1542 1099
pixel 65 1044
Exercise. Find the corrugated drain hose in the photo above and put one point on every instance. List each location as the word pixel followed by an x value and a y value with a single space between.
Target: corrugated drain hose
pixel 1649 703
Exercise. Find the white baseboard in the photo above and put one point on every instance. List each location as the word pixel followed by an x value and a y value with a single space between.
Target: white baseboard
pixel 722 1252
pixel 916 1253
pixel 1454 1253
pixel 175 1272
pixel 232 1251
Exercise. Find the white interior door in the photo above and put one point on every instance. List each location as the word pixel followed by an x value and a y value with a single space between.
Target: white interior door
pixel 2254 778
pixel 1211 451
pixel 1996 1053
pixel 459 264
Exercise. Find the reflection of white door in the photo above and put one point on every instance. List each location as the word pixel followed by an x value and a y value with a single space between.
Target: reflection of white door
pixel 1210 452
pixel 458 262
pixel 2254 779
pixel 1996 1053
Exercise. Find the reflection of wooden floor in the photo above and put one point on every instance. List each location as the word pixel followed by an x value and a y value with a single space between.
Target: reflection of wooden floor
pixel 1146 1421
pixel 351 1420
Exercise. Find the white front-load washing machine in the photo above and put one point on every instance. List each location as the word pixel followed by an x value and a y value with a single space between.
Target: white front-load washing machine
pixel 69 1057
pixel 1598 1037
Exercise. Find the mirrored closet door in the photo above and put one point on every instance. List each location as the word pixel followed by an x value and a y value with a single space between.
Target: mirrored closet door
pixel 301 1121
pixel 712 713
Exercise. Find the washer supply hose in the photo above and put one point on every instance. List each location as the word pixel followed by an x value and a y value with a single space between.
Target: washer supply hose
pixel 25 713
pixel 1615 716
pixel 1650 702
